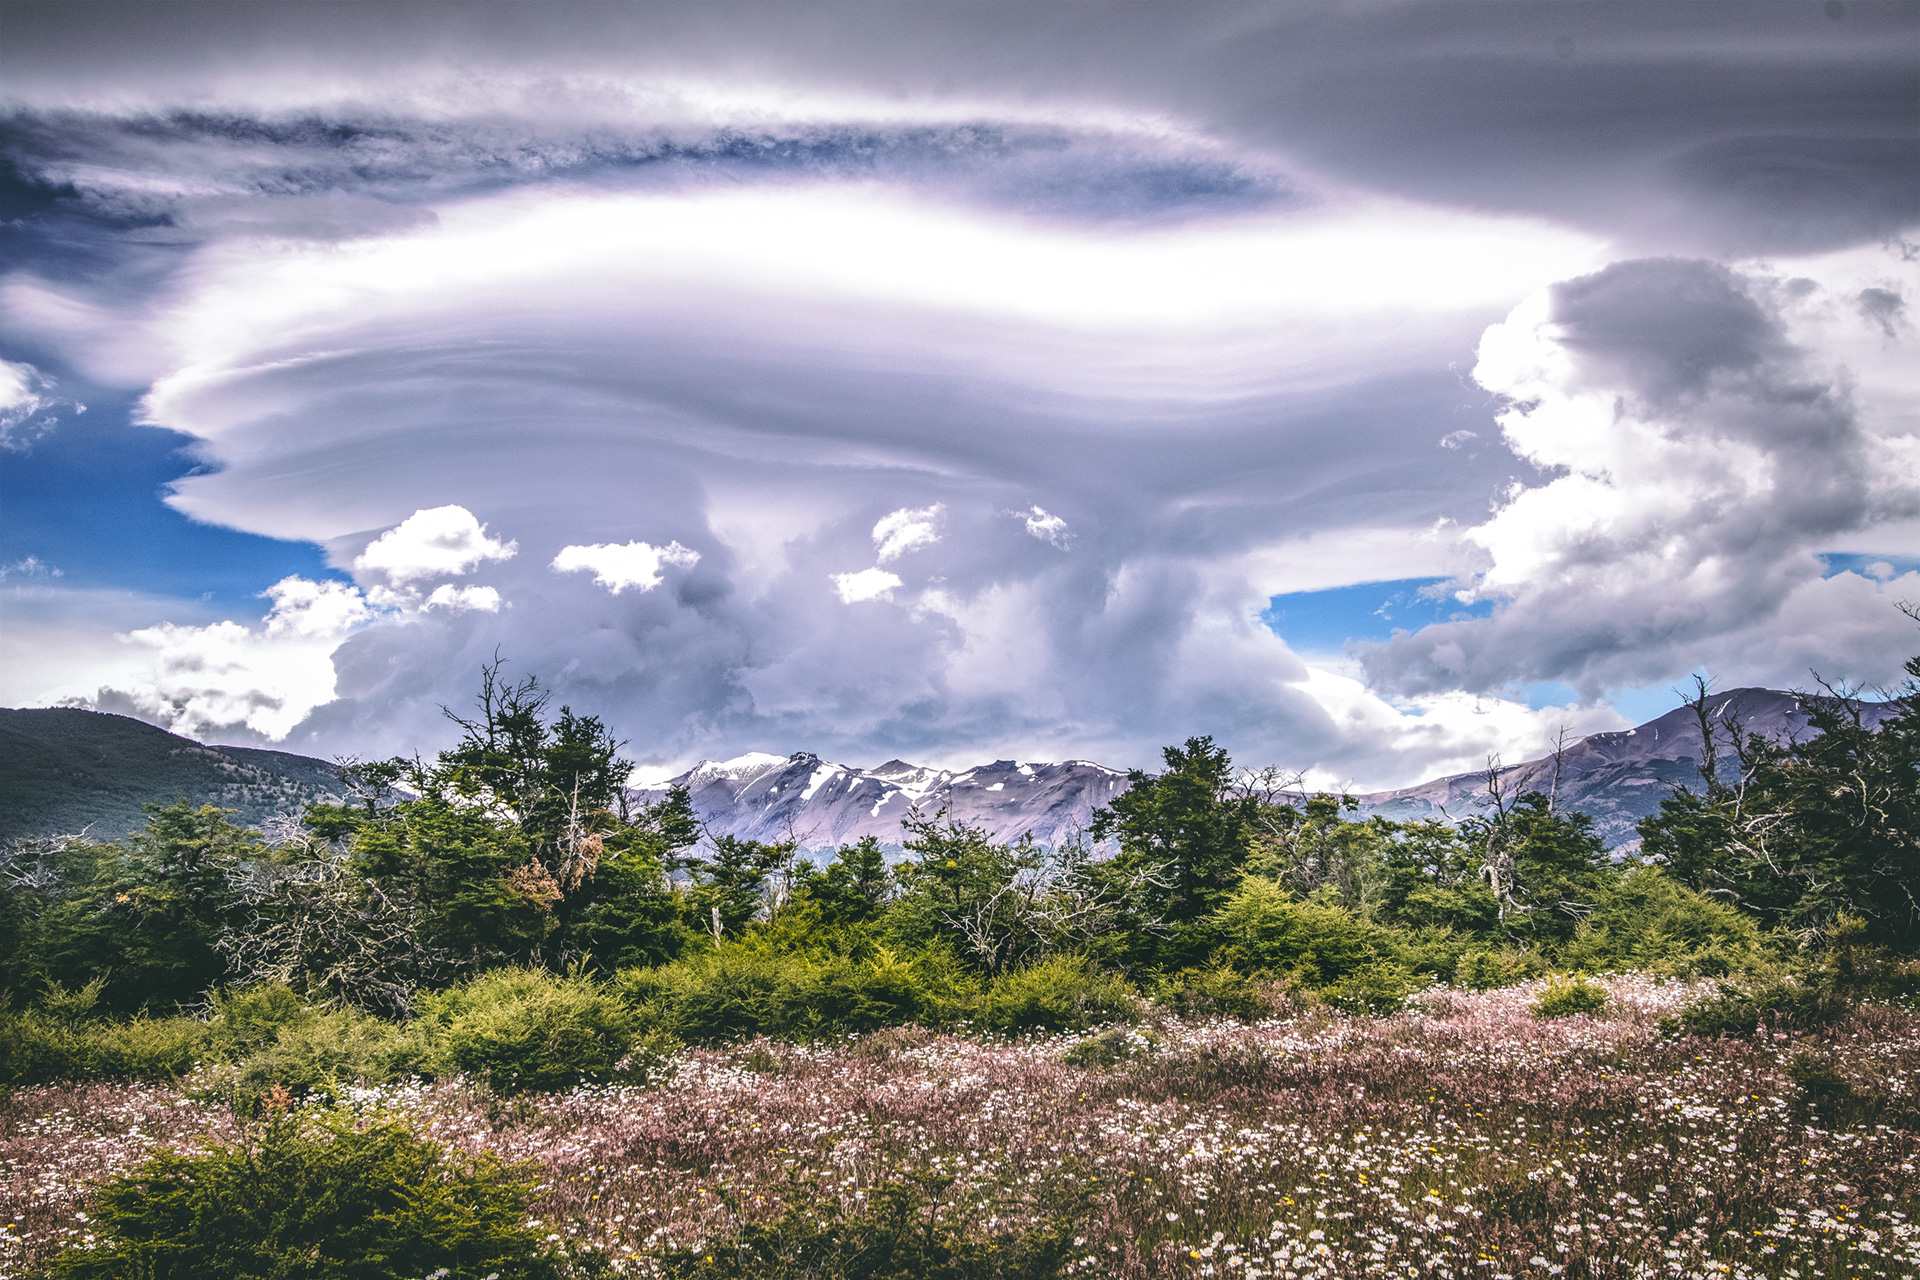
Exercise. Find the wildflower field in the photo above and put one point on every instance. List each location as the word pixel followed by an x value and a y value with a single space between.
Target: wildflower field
pixel 1464 1137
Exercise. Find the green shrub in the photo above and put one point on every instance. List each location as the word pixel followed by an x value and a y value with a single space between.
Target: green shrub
pixel 1221 991
pixel 1783 1004
pixel 1059 993
pixel 737 991
pixel 1653 923
pixel 61 1040
pixel 898 1234
pixel 315 1196
pixel 1378 988
pixel 1563 998
pixel 312 1053
pixel 1109 1048
pixel 1316 942
pixel 1484 970
pixel 528 1029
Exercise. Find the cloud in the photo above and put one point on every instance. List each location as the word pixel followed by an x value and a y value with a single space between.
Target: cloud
pixel 226 677
pixel 1697 453
pixel 435 542
pixel 459 599
pixel 631 564
pixel 563 266
pixel 868 584
pixel 907 529
pixel 25 396
pixel 1046 526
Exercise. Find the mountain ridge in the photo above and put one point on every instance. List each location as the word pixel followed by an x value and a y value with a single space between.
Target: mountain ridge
pixel 65 769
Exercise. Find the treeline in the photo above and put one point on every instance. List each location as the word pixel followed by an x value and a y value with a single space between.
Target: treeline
pixel 445 890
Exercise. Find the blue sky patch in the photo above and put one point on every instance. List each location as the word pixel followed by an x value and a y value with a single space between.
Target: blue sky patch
pixel 1325 621
pixel 88 499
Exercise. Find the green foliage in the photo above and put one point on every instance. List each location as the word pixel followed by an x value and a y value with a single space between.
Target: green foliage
pixel 1059 993
pixel 1817 828
pixel 1650 921
pixel 1378 988
pixel 1562 998
pixel 1782 1004
pixel 1485 969
pixel 524 1029
pixel 898 1233
pixel 38 1047
pixel 1221 991
pixel 853 889
pixel 146 915
pixel 739 990
pixel 1186 831
pixel 265 1041
pixel 1267 930
pixel 315 1197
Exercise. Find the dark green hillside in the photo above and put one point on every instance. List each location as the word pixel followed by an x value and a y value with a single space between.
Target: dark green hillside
pixel 64 770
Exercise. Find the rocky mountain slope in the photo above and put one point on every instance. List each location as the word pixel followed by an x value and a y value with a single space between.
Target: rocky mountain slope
pixel 64 771
pixel 1619 778
pixel 822 805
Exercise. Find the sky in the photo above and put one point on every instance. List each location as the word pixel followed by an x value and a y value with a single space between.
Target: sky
pixel 1376 387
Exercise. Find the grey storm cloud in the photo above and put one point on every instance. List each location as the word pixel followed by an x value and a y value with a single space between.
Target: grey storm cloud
pixel 1720 458
pixel 1200 282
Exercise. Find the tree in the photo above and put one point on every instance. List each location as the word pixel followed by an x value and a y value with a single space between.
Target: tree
pixel 148 914
pixel 1811 830
pixel 1184 834
pixel 854 888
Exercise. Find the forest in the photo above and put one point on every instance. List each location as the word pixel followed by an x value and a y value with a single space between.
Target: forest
pixel 494 942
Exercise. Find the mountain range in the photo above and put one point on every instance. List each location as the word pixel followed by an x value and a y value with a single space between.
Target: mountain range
pixel 64 770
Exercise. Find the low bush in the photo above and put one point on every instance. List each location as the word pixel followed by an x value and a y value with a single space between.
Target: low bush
pixel 737 991
pixel 1563 998
pixel 1110 1048
pixel 1221 991
pixel 522 1029
pixel 62 1039
pixel 314 1196
pixel 1059 993
pixel 899 1233
pixel 1782 1004
pixel 1652 923
pixel 1378 988
pixel 1483 970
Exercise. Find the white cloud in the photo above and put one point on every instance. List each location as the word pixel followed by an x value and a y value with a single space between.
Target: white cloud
pixel 435 542
pixel 868 584
pixel 24 394
pixel 460 599
pixel 1047 527
pixel 1701 446
pixel 631 564
pixel 907 529
pixel 266 679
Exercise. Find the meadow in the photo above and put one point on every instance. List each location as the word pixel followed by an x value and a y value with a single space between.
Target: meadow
pixel 1462 1137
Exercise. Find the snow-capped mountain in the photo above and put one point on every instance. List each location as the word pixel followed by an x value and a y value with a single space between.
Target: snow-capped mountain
pixel 1619 778
pixel 759 796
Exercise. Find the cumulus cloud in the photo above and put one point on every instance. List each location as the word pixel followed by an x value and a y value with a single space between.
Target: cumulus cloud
pixel 868 584
pixel 1699 452
pixel 460 599
pixel 907 529
pixel 435 542
pixel 1047 527
pixel 630 564
pixel 226 677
